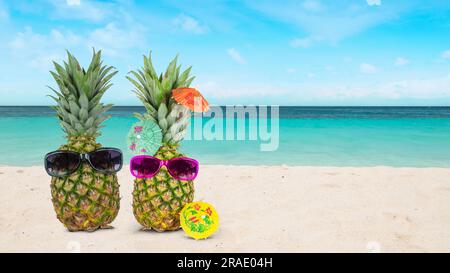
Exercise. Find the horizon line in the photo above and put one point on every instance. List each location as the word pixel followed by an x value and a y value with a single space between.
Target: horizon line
pixel 260 105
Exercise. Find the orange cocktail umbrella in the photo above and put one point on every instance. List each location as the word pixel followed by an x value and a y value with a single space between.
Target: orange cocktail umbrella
pixel 191 99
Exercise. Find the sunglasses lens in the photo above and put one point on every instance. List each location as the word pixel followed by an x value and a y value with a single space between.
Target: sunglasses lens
pixel 183 169
pixel 144 167
pixel 106 160
pixel 62 163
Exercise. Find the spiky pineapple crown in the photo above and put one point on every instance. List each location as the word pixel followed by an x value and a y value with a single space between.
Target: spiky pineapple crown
pixel 78 99
pixel 155 92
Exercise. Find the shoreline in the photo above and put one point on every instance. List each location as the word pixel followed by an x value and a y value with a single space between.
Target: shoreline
pixel 261 209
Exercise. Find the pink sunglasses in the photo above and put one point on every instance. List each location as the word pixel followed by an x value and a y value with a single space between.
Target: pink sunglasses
pixel 181 168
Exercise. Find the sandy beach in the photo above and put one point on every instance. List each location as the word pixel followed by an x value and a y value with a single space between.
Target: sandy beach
pixel 262 209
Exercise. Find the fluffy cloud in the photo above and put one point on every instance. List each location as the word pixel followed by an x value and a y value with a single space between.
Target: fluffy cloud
pixel 73 2
pixel 373 2
pixel 236 56
pixel 400 61
pixel 332 22
pixel 446 54
pixel 39 50
pixel 188 24
pixel 95 11
pixel 302 42
pixel 113 39
pixel 312 5
pixel 291 70
pixel 4 15
pixel 29 39
pixel 426 89
pixel 368 68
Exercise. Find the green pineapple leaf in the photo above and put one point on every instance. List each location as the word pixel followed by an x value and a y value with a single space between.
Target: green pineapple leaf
pixel 80 91
pixel 155 92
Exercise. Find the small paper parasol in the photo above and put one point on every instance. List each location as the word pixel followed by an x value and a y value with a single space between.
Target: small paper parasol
pixel 191 99
pixel 145 137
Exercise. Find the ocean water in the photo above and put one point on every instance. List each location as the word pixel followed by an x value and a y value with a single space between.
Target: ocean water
pixel 310 136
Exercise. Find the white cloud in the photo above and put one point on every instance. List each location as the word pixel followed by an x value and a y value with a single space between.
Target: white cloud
pixel 331 22
pixel 312 5
pixel 368 68
pixel 39 50
pixel 44 62
pixel 302 42
pixel 73 2
pixel 4 15
pixel 217 90
pixel 425 89
pixel 446 54
pixel 95 11
pixel 311 75
pixel 373 2
pixel 113 40
pixel 236 56
pixel 208 86
pixel 291 70
pixel 400 61
pixel 28 39
pixel 188 24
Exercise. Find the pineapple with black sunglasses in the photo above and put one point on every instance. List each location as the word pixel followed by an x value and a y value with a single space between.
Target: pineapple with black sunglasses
pixel 84 186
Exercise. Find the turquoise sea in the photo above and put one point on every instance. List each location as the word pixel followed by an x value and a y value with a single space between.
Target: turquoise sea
pixel 313 136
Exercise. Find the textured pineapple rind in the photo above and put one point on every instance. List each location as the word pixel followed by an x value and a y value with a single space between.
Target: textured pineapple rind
pixel 158 201
pixel 86 200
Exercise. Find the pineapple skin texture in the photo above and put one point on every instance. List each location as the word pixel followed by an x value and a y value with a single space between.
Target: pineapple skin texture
pixel 86 200
pixel 158 201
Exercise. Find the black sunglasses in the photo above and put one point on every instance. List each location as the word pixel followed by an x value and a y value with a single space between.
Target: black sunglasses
pixel 64 163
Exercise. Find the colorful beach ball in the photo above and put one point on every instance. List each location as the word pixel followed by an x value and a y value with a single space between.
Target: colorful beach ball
pixel 145 137
pixel 199 220
pixel 190 98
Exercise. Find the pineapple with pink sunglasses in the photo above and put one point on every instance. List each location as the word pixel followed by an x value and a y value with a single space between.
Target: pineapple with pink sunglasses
pixel 180 168
pixel 163 183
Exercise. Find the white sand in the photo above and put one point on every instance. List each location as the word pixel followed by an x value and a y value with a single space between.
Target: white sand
pixel 262 209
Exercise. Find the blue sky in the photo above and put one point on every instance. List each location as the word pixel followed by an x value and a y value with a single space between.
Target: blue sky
pixel 309 52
